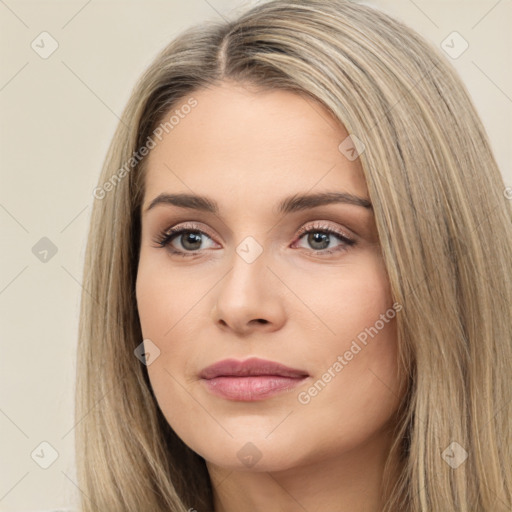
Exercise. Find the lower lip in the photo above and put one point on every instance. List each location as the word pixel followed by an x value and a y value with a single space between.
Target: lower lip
pixel 250 389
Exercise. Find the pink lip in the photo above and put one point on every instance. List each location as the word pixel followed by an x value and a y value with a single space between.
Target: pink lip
pixel 250 380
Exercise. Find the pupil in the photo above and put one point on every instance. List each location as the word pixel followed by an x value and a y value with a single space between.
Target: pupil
pixel 322 238
pixel 192 238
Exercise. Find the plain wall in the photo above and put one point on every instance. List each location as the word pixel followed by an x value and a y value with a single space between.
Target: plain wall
pixel 57 116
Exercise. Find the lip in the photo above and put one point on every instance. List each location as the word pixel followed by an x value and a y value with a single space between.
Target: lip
pixel 250 380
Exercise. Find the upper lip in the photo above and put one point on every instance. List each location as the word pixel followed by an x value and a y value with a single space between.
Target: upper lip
pixel 251 366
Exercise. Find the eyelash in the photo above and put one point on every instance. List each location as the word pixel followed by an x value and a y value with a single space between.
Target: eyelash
pixel 165 238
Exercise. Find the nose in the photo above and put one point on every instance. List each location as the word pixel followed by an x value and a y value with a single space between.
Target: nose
pixel 249 298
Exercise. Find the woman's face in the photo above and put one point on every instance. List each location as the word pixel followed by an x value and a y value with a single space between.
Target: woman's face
pixel 265 275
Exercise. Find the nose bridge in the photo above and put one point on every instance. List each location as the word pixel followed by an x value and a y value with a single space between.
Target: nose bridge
pixel 248 270
pixel 246 293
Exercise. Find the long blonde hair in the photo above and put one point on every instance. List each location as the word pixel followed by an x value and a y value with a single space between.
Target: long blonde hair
pixel 445 229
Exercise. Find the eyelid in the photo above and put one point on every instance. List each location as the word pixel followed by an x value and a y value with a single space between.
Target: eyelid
pixel 164 238
pixel 192 226
pixel 323 225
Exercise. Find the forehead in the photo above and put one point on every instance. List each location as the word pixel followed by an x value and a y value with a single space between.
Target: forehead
pixel 238 141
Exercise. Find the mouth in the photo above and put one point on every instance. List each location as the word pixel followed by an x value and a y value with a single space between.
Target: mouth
pixel 250 380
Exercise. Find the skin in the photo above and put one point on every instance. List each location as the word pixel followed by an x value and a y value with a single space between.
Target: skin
pixel 247 150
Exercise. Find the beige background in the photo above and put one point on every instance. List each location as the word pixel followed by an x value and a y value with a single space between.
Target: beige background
pixel 58 115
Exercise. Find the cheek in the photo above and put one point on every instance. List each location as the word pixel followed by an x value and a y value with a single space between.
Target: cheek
pixel 165 298
pixel 347 300
pixel 356 355
pixel 163 303
pixel 169 304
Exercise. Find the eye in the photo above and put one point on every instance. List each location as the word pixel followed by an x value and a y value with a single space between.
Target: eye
pixel 185 240
pixel 322 239
pixel 188 240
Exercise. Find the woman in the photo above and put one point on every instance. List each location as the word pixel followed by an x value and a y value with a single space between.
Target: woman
pixel 297 282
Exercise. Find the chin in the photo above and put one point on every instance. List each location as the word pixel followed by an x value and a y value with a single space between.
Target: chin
pixel 265 461
pixel 251 452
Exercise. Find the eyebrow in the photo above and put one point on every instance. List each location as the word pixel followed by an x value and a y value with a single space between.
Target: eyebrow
pixel 291 204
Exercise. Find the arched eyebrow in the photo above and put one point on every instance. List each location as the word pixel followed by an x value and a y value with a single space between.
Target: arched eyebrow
pixel 299 202
pixel 291 204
